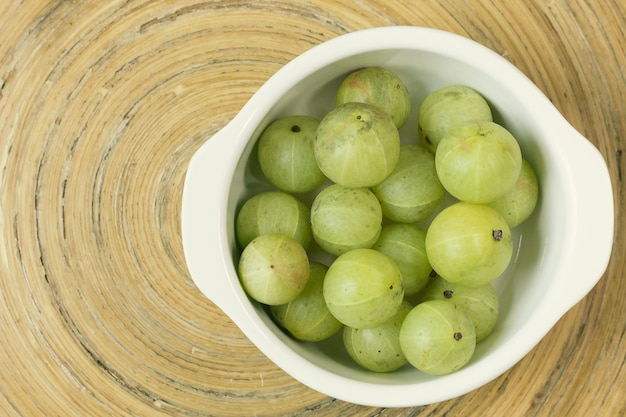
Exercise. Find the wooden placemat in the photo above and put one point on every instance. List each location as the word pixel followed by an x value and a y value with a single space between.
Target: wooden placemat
pixel 102 105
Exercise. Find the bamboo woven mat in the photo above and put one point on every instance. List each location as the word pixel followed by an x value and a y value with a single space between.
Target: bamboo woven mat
pixel 102 105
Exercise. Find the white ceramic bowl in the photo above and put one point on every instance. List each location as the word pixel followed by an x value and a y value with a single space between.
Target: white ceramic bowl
pixel 563 250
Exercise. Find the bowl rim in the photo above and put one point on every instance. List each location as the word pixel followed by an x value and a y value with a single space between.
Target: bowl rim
pixel 244 314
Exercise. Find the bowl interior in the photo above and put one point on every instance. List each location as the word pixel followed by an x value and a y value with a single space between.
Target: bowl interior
pixel 524 288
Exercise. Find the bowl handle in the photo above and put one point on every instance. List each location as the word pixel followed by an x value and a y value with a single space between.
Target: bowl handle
pixel 591 243
pixel 204 219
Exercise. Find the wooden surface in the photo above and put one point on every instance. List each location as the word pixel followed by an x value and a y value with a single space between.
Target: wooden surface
pixel 103 103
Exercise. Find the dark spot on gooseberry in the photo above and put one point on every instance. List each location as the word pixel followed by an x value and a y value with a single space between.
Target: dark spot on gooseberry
pixel 448 293
pixel 295 128
pixel 391 287
pixel 497 235
pixel 458 336
pixel 433 274
pixel 427 139
pixel 272 266
pixel 358 117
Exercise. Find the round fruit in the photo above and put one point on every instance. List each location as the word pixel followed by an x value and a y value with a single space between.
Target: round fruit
pixel 406 245
pixel 446 108
pixel 378 348
pixel 285 152
pixel 357 145
pixel 307 317
pixel 273 269
pixel 273 212
pixel 478 162
pixel 437 338
pixel 380 87
pixel 519 203
pixel 363 288
pixel 469 244
pixel 345 218
pixel 480 303
pixel 412 192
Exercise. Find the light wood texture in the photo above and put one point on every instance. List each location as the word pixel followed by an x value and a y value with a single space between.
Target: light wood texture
pixel 103 103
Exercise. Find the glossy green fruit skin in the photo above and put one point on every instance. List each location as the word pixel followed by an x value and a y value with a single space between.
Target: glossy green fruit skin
pixel 273 269
pixel 446 108
pixel 412 192
pixel 519 203
pixel 437 338
pixel 345 218
pixel 379 87
pixel 406 245
pixel 378 349
pixel 469 244
pixel 363 288
pixel 285 153
pixel 357 145
pixel 478 162
pixel 273 212
pixel 480 303
pixel 307 317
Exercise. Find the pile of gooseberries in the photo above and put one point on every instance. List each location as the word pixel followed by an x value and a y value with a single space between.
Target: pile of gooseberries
pixel 408 277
